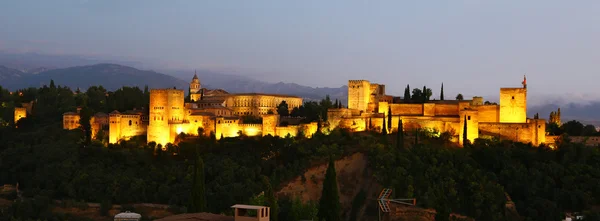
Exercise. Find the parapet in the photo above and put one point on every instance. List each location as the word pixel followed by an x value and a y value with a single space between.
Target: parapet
pixel 358 82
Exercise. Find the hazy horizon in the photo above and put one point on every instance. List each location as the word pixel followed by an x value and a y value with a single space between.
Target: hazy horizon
pixel 472 47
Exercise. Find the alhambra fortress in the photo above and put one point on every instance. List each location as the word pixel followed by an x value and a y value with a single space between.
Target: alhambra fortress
pixel 368 107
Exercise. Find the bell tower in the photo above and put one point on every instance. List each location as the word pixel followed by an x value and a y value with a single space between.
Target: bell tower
pixel 195 87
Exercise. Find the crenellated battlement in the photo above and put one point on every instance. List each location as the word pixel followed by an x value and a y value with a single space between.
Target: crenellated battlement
pixel 356 82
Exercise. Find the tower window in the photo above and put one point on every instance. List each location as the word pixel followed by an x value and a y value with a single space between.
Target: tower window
pixel 513 97
pixel 469 117
pixel 129 122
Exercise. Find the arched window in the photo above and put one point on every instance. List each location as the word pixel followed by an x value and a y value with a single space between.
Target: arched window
pixel 129 122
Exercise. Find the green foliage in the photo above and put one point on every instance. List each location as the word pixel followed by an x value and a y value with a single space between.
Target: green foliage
pixel 329 204
pixel 407 97
pixel 465 138
pixel 282 109
pixel 270 199
pixel 314 111
pixel 442 92
pixel 384 127
pixel 198 187
pixel 105 206
pixel 357 203
pixel 459 97
pixel 400 135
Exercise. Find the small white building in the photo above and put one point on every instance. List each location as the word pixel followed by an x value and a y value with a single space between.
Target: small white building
pixel 241 213
pixel 128 216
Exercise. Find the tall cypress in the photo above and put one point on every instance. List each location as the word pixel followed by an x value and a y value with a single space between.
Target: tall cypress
pixel 389 124
pixel 407 94
pixel 442 93
pixel 465 140
pixel 416 136
pixel 198 189
pixel 329 204
pixel 370 125
pixel 400 138
pixel 270 199
pixel 424 95
pixel 383 127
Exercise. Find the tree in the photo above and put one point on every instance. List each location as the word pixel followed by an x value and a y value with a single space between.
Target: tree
pixel 198 203
pixel 52 85
pixel 416 136
pixel 465 140
pixel 573 128
pixel 400 140
pixel 389 124
pixel 270 199
pixel 329 204
pixel 442 92
pixel 282 109
pixel 589 130
pixel 407 94
pixel 383 127
pixel 417 95
pixel 459 97
pixel 84 122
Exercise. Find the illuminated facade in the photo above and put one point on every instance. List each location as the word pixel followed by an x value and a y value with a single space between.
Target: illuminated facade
pixel 20 112
pixel 218 112
pixel 506 121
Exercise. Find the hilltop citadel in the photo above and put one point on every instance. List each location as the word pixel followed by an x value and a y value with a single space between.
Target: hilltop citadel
pixel 221 113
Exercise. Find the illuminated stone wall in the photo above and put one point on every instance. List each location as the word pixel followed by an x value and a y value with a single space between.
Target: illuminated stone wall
pixel 269 123
pixel 446 109
pixel 20 112
pixel 359 93
pixel 513 105
pixel 407 109
pixel 259 104
pixel 522 132
pixel 125 126
pixel 489 113
pixel 472 120
pixel 71 121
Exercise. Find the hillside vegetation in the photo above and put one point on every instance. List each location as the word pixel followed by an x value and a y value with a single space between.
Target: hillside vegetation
pixel 50 163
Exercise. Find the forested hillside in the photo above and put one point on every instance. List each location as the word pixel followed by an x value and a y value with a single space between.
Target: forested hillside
pixel 50 163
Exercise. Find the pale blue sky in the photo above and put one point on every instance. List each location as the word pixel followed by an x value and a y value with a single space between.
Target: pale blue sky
pixel 473 46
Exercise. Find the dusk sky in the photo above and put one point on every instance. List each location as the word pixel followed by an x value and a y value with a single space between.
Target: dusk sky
pixel 474 46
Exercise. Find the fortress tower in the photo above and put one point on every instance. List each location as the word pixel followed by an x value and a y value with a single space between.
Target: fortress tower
pixel 513 104
pixel 359 94
pixel 166 109
pixel 114 124
pixel 195 87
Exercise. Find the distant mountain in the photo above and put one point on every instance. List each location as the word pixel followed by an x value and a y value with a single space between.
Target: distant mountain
pixel 241 84
pixel 31 61
pixel 585 113
pixel 110 76
pixel 9 74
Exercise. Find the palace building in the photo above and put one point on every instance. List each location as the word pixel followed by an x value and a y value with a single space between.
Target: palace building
pixel 221 113
pixel 368 106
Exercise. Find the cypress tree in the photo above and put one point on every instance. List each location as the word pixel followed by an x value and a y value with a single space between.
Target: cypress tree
pixel 407 94
pixel 400 142
pixel 416 136
pixel 52 84
pixel 383 127
pixel 370 125
pixel 329 204
pixel 389 124
pixel 442 93
pixel 465 140
pixel 270 199
pixel 424 95
pixel 198 191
